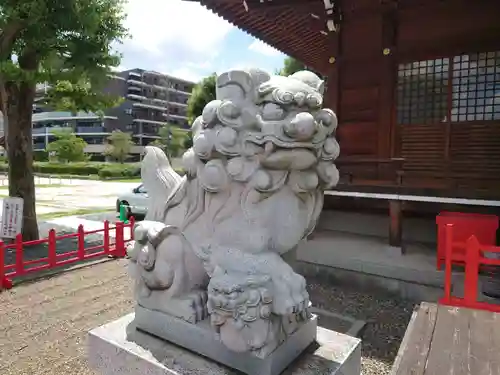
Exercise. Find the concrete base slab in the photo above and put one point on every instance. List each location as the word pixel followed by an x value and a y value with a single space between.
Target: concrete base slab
pixel 200 338
pixel 119 348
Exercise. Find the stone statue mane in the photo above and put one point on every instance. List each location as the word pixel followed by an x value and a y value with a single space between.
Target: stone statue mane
pixel 211 244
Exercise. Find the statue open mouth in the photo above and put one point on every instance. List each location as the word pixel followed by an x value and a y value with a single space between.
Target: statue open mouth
pixel 280 155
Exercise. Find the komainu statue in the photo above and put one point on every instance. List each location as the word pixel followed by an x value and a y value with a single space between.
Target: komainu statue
pixel 210 246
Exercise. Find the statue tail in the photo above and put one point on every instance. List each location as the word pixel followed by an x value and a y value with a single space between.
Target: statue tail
pixel 159 179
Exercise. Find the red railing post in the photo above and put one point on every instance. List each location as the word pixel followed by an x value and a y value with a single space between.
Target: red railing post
pixel 119 240
pixel 5 283
pixel 132 225
pixel 19 255
pixel 2 266
pixel 52 248
pixel 448 261
pixel 81 242
pixel 472 255
pixel 106 237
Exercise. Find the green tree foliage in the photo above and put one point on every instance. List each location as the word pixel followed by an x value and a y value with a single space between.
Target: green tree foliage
pixel 67 147
pixel 290 66
pixel 65 43
pixel 173 140
pixel 120 146
pixel 203 93
pixel 82 96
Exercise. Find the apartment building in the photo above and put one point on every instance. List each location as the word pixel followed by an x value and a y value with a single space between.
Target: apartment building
pixel 150 100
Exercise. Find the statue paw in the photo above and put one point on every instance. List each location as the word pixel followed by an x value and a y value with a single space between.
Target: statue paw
pixel 291 296
pixel 197 301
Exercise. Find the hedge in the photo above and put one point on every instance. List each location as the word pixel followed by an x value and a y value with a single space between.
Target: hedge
pixel 40 155
pixel 119 170
pixel 103 170
pixel 93 169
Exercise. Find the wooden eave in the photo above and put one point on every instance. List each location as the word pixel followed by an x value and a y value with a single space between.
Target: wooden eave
pixel 295 27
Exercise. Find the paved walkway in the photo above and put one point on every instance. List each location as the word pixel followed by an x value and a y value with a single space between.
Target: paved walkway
pixel 73 195
pixel 73 222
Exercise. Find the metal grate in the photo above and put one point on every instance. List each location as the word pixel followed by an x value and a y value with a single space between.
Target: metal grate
pixel 476 87
pixel 423 91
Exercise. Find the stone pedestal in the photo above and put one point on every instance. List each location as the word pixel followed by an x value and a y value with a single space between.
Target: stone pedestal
pixel 120 348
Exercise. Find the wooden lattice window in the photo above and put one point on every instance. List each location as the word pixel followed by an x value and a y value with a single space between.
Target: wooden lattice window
pixel 423 91
pixel 459 89
pixel 476 87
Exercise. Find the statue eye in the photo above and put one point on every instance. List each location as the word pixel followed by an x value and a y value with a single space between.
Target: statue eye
pixel 272 112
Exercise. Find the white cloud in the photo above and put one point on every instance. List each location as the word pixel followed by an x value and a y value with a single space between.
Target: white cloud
pixel 187 74
pixel 166 34
pixel 263 48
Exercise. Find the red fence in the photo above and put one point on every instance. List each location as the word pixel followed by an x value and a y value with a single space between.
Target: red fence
pixel 22 267
pixel 474 261
pixel 484 227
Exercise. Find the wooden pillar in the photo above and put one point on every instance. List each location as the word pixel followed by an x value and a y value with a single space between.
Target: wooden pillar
pixel 332 88
pixel 396 223
pixel 387 144
pixel 332 94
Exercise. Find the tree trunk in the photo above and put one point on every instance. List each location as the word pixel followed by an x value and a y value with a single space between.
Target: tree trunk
pixel 20 152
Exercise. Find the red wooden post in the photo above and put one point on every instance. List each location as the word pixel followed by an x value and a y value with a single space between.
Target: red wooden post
pixel 52 248
pixel 5 283
pixel 448 261
pixel 472 256
pixel 81 242
pixel 19 255
pixel 119 240
pixel 132 225
pixel 2 265
pixel 106 237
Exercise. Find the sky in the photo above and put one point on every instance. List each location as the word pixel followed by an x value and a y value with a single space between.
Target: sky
pixel 186 40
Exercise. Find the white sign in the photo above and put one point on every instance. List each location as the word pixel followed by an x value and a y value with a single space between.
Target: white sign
pixel 12 217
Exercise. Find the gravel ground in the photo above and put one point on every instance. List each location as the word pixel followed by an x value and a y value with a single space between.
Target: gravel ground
pixel 386 317
pixel 46 322
pixel 101 216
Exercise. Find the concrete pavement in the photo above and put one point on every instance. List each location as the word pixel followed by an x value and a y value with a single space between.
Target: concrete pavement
pixel 76 195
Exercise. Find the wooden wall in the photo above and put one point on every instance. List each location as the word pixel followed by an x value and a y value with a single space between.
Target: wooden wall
pixel 442 155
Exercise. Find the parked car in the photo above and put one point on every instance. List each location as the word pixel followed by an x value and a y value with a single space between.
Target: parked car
pixel 136 201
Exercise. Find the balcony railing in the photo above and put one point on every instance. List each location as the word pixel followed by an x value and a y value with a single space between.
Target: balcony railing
pixel 149 121
pixel 38 131
pixel 179 91
pixel 38 146
pixel 171 115
pixel 132 81
pixel 49 130
pixel 135 97
pixel 149 104
pixel 90 129
pixel 159 87
pixel 178 104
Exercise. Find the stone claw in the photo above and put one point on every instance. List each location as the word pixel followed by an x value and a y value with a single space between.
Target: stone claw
pixel 291 296
pixel 199 304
